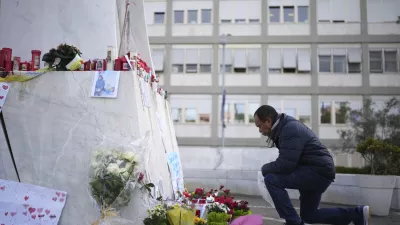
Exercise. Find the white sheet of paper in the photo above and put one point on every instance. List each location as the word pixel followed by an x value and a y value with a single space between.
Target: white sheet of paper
pixel 263 189
pixel 4 88
pixel 160 123
pixel 175 167
pixel 26 204
pixel 145 93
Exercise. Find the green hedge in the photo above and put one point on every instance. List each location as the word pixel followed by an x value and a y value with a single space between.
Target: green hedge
pixel 351 170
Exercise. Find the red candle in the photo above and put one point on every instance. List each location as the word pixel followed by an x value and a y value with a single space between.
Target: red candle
pixel 25 66
pixel 7 54
pixel 17 63
pixel 9 65
pixel 87 65
pixel 35 59
pixel 101 65
pixel 118 64
pixel 93 65
pixel 2 60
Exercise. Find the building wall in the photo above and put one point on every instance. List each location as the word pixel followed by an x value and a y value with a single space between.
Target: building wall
pixel 304 57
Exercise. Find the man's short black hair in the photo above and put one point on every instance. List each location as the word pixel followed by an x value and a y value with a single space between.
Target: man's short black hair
pixel 266 111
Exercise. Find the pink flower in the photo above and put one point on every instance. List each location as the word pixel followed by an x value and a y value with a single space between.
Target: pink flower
pixel 141 177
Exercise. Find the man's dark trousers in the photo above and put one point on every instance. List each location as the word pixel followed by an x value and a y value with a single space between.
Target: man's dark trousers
pixel 311 186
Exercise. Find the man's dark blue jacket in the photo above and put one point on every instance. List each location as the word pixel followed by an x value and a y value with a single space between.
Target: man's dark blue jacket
pixel 298 146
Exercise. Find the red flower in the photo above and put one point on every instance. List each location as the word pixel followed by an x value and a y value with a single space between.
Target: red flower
pixel 221 187
pixel 198 213
pixel 230 212
pixel 141 177
pixel 199 191
pixel 227 191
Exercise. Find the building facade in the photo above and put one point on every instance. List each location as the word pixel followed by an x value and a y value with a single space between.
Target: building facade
pixel 307 58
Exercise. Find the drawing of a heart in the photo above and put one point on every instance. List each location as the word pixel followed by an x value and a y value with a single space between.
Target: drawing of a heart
pixel 25 213
pixel 61 199
pixel 6 213
pixel 58 194
pixel 63 194
pixel 33 216
pixel 26 198
pixel 13 213
pixel 1 97
pixel 54 199
pixel 40 210
pixel 31 210
pixel 26 206
pixel 47 211
pixel 5 87
pixel 2 187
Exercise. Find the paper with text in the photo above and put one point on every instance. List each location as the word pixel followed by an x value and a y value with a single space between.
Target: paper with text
pixel 174 163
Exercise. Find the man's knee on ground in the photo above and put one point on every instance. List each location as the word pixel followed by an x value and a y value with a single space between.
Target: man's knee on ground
pixel 270 179
pixel 308 217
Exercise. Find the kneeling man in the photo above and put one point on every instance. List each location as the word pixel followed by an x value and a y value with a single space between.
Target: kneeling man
pixel 303 164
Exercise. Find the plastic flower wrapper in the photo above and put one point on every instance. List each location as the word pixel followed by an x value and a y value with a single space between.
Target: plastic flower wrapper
pixel 240 208
pixel 263 190
pixel 181 214
pixel 115 171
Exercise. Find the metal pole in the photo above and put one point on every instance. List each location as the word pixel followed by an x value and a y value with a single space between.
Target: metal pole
pixel 223 90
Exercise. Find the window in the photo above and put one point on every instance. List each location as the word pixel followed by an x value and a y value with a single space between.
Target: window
pixel 390 61
pixel 239 112
pixel 339 64
pixel 204 118
pixel 302 14
pixel 205 68
pixel 206 16
pixel 274 14
pixel 288 14
pixel 227 113
pixel 375 61
pixel 240 61
pixel 178 16
pixel 228 68
pixel 305 119
pixel 324 63
pixel 341 109
pixel 158 60
pixel 254 20
pixel 226 21
pixel 190 115
pixel 192 16
pixel 325 112
pixel 240 21
pixel 159 17
pixel 191 68
pixel 177 68
pixel 252 107
pixel 176 115
pixel 354 67
pixel 354 58
pixel 253 60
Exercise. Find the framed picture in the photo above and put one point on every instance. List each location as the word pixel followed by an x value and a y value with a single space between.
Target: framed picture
pixel 105 84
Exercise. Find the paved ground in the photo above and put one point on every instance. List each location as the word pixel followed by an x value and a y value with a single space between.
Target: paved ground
pixel 271 217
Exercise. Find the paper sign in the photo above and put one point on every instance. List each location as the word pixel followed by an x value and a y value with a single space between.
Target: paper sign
pixel 4 88
pixel 159 123
pixel 174 163
pixel 26 204
pixel 105 84
pixel 145 93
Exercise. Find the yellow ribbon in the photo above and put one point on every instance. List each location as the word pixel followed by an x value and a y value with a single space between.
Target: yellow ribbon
pixel 106 213
pixel 22 76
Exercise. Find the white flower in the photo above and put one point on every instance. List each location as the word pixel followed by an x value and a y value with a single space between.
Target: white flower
pixel 129 156
pixel 126 175
pixel 113 168
pixel 210 199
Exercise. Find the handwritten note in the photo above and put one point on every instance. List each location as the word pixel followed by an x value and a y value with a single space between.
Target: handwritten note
pixel 145 93
pixel 4 88
pixel 174 163
pixel 29 205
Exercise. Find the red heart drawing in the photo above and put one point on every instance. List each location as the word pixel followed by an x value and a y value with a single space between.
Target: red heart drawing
pixel 54 199
pixel 2 187
pixel 61 199
pixel 63 194
pixel 26 198
pixel 40 210
pixel 25 213
pixel 13 213
pixel 47 211
pixel 31 210
pixel 26 206
pixel 5 87
pixel 6 213
pixel 33 216
pixel 58 194
pixel 1 97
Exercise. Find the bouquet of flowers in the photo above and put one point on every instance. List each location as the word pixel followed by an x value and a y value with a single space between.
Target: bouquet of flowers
pixel 180 214
pixel 63 58
pixel 240 208
pixel 217 214
pixel 199 221
pixel 156 216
